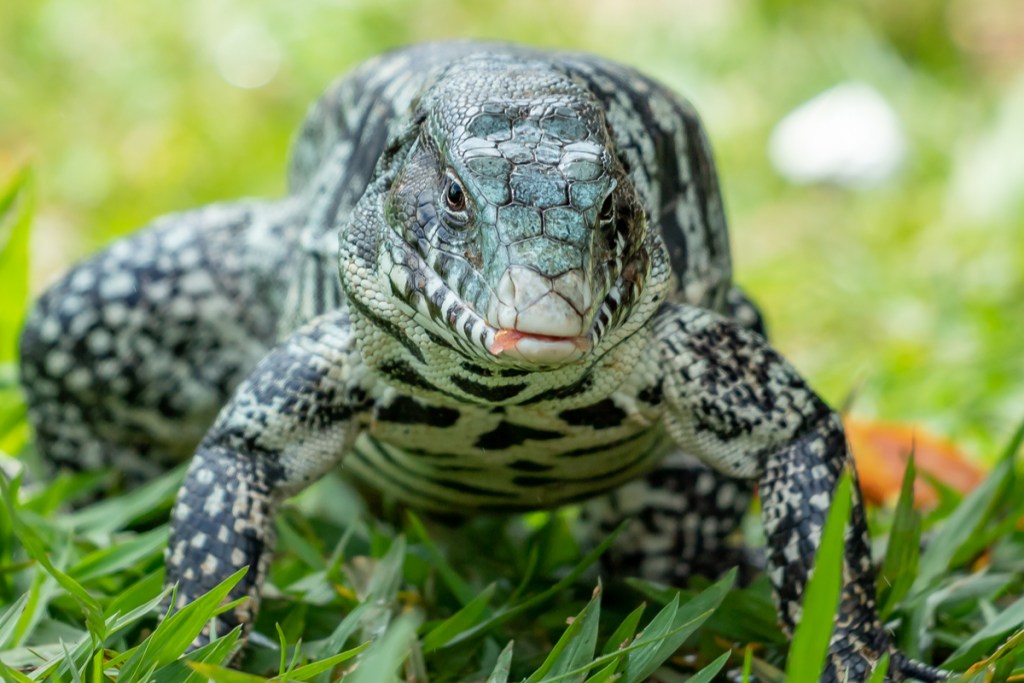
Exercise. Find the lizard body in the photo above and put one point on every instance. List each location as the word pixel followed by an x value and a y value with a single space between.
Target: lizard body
pixel 500 281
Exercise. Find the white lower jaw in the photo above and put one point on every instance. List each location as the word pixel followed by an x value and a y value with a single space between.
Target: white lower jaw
pixel 545 352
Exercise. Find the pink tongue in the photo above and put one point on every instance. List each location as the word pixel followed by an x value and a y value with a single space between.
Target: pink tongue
pixel 507 339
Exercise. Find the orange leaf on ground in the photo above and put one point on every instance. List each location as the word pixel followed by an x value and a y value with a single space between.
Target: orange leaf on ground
pixel 881 451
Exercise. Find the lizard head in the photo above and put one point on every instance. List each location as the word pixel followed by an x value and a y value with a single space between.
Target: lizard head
pixel 515 231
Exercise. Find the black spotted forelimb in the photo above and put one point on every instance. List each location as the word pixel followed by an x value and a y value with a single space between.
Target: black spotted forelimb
pixel 797 487
pixel 289 423
pixel 223 521
pixel 737 404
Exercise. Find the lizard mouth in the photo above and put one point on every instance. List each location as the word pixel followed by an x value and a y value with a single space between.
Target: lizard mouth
pixel 441 310
pixel 538 348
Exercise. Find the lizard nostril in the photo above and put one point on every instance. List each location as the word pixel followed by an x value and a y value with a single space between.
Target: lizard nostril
pixel 530 302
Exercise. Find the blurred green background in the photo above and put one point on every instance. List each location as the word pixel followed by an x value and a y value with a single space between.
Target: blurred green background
pixel 908 296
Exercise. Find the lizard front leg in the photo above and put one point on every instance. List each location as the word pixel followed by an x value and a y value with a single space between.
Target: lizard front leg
pixel 736 403
pixel 289 423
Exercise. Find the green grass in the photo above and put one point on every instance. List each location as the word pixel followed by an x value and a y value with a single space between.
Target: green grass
pixel 906 296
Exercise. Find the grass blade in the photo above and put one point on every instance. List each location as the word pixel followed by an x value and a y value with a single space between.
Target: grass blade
pixel 383 590
pixel 671 627
pixel 968 518
pixel 386 655
pixel 36 549
pixel 504 615
pixel 117 513
pixel 343 631
pixel 76 676
pixel 17 204
pixel 1007 621
pixel 118 621
pixel 625 631
pixel 878 675
pixel 502 666
pixel 222 674
pixel 709 672
pixel 464 619
pixel 576 646
pixel 308 671
pixel 121 556
pixel 9 620
pixel 215 653
pixel 899 568
pixel 451 578
pixel 175 633
pixel 9 674
pixel 605 674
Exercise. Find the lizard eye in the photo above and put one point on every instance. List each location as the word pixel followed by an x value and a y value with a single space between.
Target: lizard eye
pixel 455 196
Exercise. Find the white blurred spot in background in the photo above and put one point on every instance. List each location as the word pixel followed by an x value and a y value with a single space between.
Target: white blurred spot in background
pixel 247 56
pixel 988 177
pixel 848 135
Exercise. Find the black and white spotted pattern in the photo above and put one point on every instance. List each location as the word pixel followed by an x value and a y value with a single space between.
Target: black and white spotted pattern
pixel 500 281
pixel 128 359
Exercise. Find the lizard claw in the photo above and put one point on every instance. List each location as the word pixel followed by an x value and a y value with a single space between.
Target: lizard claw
pixel 849 666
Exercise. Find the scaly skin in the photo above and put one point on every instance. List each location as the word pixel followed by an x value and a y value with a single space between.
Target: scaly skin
pixel 534 307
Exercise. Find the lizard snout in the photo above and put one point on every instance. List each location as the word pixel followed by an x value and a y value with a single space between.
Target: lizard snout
pixel 539 318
